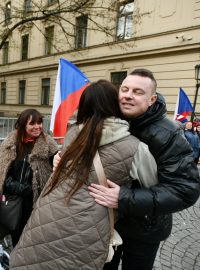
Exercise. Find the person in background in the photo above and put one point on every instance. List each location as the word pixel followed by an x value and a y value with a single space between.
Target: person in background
pixel 198 132
pixel 145 215
pixel 26 156
pixel 198 129
pixel 67 228
pixel 193 139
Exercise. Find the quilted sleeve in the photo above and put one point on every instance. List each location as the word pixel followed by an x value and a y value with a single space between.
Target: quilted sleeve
pixel 144 167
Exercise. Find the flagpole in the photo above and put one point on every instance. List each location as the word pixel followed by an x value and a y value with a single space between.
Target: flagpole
pixel 195 101
pixel 197 78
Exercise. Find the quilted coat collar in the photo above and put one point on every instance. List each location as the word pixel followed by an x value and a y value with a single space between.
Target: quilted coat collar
pixel 114 129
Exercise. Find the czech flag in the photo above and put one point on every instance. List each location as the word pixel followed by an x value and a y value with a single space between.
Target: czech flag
pixel 70 84
pixel 183 107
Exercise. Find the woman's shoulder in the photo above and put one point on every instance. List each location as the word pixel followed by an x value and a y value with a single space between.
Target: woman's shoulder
pixel 47 137
pixel 10 140
pixel 49 140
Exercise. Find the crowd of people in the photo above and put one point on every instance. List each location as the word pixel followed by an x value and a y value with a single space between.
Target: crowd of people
pixel 151 168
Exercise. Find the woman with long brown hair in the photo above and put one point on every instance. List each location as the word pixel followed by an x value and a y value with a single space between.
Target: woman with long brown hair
pixel 68 229
pixel 25 163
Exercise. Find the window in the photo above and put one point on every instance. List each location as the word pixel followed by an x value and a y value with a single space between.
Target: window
pixel 8 13
pixel 27 6
pixel 50 2
pixel 49 33
pixel 125 21
pixel 81 31
pixel 3 92
pixel 25 47
pixel 45 91
pixel 5 53
pixel 22 89
pixel 118 77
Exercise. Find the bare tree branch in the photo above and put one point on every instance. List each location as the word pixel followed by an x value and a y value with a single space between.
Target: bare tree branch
pixel 40 13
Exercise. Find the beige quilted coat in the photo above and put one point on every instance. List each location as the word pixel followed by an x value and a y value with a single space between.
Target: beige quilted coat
pixel 76 236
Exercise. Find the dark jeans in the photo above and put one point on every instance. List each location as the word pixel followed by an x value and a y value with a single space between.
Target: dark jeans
pixel 136 256
pixel 26 212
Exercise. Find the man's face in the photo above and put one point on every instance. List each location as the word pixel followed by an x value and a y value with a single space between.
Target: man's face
pixel 135 95
pixel 188 125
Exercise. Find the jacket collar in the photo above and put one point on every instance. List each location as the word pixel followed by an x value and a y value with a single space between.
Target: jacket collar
pixel 154 113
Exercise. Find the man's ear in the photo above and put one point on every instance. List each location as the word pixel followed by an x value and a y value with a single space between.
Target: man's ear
pixel 153 100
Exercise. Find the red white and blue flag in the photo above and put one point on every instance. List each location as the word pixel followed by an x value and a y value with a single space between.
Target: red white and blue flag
pixel 183 107
pixel 70 84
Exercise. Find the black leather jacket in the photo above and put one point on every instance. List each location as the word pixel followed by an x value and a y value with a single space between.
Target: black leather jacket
pixel 144 213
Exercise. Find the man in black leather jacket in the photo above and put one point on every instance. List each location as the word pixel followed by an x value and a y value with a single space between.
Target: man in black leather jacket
pixel 145 215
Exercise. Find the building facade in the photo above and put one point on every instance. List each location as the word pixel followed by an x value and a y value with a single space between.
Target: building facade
pixel 105 39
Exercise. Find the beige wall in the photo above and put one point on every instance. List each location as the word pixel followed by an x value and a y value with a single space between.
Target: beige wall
pixel 154 46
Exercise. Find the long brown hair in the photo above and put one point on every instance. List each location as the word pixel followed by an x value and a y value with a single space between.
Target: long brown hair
pixel 98 101
pixel 20 125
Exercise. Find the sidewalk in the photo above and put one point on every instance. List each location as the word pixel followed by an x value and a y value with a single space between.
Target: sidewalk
pixel 181 251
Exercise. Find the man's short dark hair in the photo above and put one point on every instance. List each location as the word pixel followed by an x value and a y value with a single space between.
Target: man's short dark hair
pixel 142 72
